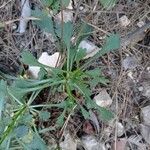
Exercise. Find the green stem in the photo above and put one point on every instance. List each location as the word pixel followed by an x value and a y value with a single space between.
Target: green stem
pixel 11 126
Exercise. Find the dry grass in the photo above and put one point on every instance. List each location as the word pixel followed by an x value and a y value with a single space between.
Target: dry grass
pixel 122 89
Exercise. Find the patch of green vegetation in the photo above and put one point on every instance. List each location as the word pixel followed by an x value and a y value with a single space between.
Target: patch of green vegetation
pixel 18 111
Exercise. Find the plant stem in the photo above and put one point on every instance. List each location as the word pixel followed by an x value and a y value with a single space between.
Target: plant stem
pixel 11 126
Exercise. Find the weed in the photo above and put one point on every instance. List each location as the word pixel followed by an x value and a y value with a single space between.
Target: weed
pixel 17 108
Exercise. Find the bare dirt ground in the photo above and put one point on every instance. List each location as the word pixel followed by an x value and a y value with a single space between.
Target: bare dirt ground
pixel 128 68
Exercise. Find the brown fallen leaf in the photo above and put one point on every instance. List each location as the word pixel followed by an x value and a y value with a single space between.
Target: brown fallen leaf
pixel 88 128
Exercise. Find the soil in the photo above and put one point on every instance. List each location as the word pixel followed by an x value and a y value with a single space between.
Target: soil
pixel 127 87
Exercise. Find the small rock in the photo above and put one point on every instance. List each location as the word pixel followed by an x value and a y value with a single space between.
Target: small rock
pixel 124 21
pixel 130 75
pixel 68 143
pixel 140 24
pixel 44 59
pixel 145 114
pixel 140 88
pixel 129 63
pixel 67 14
pixel 81 8
pixel 91 48
pixel 90 143
pixel 103 99
pixel 145 131
pixel 14 26
pixel 120 129
pixel 146 89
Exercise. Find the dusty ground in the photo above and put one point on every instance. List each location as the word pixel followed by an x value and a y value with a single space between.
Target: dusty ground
pixel 128 68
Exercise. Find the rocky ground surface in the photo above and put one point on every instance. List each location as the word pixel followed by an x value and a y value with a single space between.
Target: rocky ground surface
pixel 128 69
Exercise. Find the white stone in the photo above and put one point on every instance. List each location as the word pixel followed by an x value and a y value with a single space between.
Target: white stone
pixel 67 14
pixel 140 24
pixel 140 88
pixel 68 143
pixel 145 131
pixel 90 143
pixel 129 63
pixel 81 8
pixel 45 59
pixel 124 21
pixel 91 48
pixel 120 129
pixel 145 114
pixel 103 99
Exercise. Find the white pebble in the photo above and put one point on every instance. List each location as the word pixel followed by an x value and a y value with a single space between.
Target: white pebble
pixel 124 21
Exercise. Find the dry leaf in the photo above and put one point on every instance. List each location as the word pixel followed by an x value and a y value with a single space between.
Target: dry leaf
pixel 88 128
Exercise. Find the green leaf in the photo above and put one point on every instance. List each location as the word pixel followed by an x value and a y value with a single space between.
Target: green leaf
pixel 37 143
pixel 98 80
pixel 60 119
pixel 3 95
pixel 105 114
pixel 44 22
pixel 83 31
pixel 29 59
pixel 85 113
pixel 21 131
pixel 42 73
pixel 67 29
pixel 108 4
pixel 94 73
pixel 65 3
pixel 81 53
pixel 44 115
pixel 112 43
pixel 47 2
pixel 26 119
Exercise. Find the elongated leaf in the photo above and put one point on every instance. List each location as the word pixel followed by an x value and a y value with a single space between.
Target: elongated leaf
pixel 60 119
pixel 98 80
pixel 105 114
pixel 81 53
pixel 37 143
pixel 108 4
pixel 29 59
pixel 3 95
pixel 112 43
pixel 94 73
pixel 44 21
pixel 85 113
pixel 83 31
pixel 65 31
